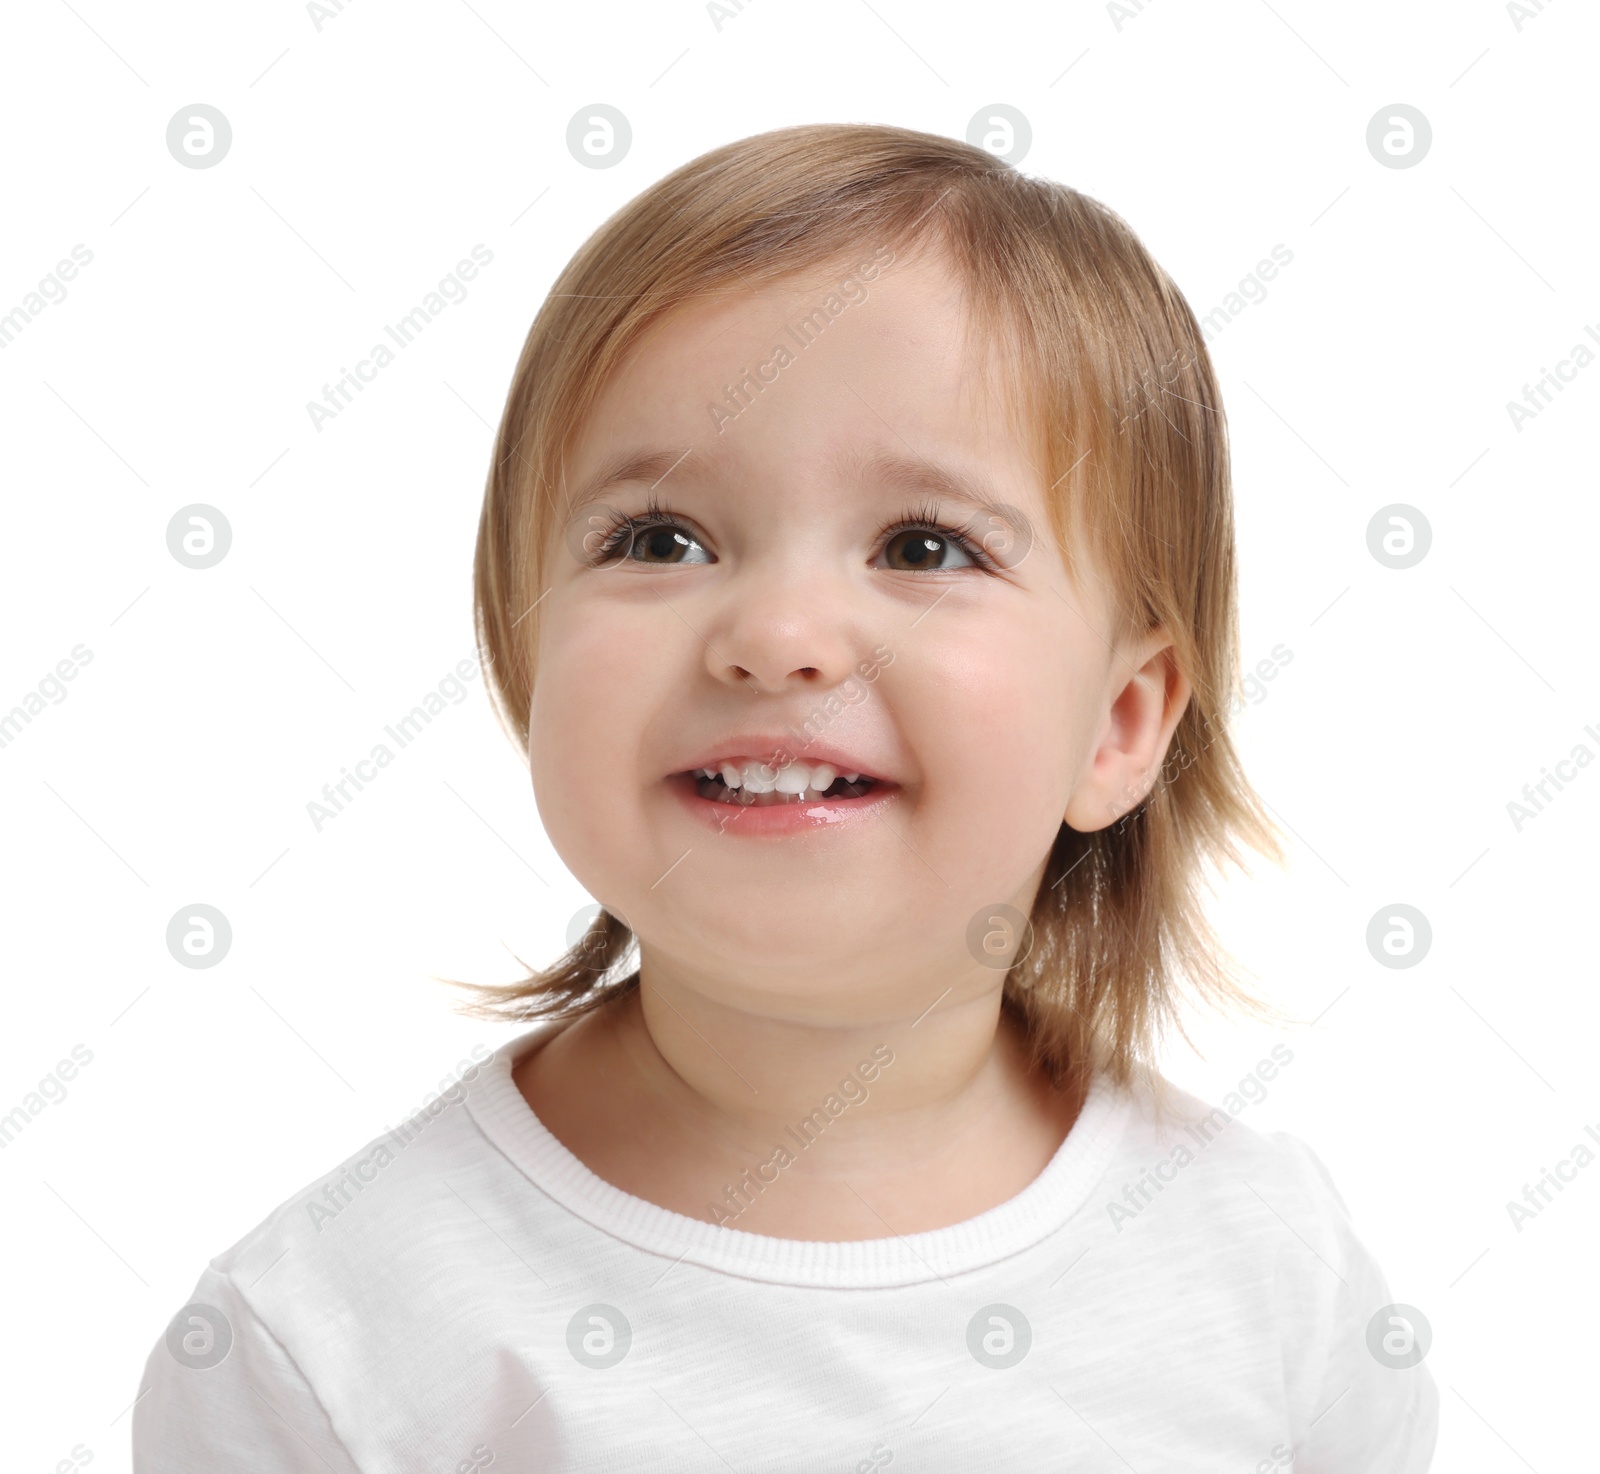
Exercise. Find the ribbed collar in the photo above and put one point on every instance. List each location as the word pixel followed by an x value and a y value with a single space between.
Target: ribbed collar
pixel 857 1264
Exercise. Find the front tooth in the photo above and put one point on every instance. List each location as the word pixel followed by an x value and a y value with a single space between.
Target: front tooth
pixel 731 775
pixel 823 775
pixel 793 778
pixel 759 778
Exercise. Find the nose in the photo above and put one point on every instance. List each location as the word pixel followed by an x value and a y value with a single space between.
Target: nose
pixel 778 629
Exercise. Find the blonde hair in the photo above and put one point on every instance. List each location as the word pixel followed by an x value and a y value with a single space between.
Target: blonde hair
pixel 1105 357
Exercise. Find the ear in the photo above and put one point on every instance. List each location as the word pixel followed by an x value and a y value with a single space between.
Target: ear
pixel 1146 694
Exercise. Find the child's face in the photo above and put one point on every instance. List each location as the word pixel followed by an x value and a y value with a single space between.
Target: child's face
pixel 989 702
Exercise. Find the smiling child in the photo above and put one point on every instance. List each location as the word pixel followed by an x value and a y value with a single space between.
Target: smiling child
pixel 856 573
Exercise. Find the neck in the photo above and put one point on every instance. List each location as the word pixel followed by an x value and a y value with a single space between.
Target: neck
pixel 899 1082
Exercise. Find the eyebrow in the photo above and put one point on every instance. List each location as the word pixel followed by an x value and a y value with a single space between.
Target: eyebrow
pixel 905 472
pixel 912 473
pixel 630 465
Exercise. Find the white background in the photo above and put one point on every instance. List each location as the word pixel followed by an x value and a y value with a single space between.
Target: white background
pixel 367 159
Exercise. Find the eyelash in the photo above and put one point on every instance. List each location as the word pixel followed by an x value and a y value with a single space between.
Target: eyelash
pixel 622 530
pixel 923 518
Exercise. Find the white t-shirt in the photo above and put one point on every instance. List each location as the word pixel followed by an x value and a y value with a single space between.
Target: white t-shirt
pixel 464 1294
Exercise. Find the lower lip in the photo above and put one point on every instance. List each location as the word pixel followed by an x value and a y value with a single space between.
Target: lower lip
pixel 797 817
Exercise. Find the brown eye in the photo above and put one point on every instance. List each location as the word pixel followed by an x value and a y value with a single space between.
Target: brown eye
pixel 665 542
pixel 920 549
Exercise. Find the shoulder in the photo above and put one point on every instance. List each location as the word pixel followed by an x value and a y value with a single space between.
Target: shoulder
pixel 1199 1200
pixel 1217 1163
pixel 1244 1240
pixel 335 1257
pixel 370 1203
pixel 304 1303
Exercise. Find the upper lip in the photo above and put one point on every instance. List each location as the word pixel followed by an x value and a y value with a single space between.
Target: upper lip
pixel 765 746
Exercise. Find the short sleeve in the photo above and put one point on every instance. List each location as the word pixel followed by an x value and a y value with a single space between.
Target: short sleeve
pixel 1374 1413
pixel 220 1393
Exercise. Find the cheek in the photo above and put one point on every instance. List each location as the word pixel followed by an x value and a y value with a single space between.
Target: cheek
pixel 595 681
pixel 999 732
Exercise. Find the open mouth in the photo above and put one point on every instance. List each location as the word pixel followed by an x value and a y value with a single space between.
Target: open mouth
pixel 754 784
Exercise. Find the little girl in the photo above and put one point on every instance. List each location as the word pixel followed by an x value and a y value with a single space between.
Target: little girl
pixel 856 572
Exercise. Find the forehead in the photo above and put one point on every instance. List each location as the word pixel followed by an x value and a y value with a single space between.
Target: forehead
pixel 824 372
